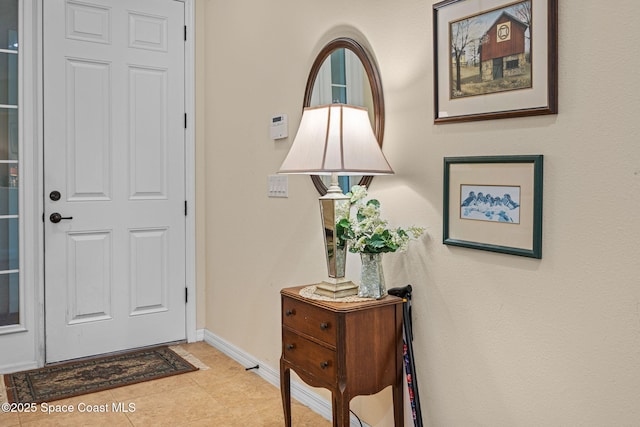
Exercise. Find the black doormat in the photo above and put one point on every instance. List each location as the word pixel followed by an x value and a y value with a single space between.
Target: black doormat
pixel 92 375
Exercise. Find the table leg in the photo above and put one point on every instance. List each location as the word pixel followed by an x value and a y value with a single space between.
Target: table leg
pixel 285 389
pixel 334 409
pixel 398 404
pixel 341 416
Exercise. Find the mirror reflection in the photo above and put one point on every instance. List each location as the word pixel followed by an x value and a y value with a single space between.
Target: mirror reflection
pixel 344 72
pixel 335 247
pixel 342 79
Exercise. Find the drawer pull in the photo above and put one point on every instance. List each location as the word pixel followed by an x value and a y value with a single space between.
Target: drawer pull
pixel 324 326
pixel 324 365
pixel 291 346
pixel 289 312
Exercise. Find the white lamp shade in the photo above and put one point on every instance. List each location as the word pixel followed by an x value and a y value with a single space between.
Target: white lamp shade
pixel 336 139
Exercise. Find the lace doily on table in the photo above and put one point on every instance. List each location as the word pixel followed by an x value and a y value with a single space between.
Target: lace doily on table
pixel 308 292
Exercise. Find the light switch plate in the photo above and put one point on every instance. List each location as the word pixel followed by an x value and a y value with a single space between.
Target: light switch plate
pixel 278 186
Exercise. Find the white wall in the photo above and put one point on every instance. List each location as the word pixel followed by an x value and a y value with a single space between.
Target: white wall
pixel 500 340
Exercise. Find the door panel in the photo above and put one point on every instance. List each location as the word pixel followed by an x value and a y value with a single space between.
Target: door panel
pixel 87 22
pixel 149 255
pixel 89 277
pixel 88 105
pixel 114 147
pixel 147 32
pixel 148 104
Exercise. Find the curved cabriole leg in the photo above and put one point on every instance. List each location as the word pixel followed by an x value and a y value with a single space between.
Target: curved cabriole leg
pixel 285 389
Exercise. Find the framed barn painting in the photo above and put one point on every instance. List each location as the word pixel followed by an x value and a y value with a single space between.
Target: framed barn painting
pixel 494 59
pixel 494 203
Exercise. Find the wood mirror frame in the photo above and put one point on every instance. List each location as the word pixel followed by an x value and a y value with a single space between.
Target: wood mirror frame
pixel 376 92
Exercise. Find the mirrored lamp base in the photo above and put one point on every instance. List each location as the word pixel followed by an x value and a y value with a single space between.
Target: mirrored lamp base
pixel 337 289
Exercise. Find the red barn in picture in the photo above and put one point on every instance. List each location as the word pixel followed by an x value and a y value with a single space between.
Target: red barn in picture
pixel 502 49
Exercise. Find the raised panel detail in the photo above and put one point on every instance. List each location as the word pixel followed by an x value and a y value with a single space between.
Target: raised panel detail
pixel 89 133
pixel 147 32
pixel 88 22
pixel 149 284
pixel 89 276
pixel 148 133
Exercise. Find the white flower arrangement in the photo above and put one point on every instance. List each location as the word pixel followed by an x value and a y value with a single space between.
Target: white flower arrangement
pixel 367 232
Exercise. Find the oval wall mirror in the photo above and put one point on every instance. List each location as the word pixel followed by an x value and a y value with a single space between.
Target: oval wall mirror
pixel 344 72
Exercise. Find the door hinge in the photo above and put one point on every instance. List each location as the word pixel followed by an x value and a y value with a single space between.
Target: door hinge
pixel 185 33
pixel 186 295
pixel 185 120
pixel 185 208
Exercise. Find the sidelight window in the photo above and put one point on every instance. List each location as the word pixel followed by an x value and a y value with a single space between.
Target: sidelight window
pixel 9 166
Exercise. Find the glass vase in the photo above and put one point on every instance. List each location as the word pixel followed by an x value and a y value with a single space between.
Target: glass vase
pixel 371 276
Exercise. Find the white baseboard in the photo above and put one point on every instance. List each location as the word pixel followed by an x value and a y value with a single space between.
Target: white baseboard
pixel 299 391
pixel 18 367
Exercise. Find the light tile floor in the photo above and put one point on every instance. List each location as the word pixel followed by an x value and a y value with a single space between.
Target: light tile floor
pixel 224 395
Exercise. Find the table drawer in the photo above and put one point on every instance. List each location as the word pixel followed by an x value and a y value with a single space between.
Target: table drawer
pixel 317 360
pixel 309 320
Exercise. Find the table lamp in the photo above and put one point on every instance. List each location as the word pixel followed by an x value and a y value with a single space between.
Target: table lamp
pixel 335 140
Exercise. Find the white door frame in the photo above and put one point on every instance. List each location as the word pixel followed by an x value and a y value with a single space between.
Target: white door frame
pixel 36 193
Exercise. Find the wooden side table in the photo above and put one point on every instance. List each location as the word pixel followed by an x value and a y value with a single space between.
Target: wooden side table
pixel 351 349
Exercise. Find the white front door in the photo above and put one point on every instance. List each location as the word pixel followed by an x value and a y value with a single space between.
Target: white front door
pixel 114 172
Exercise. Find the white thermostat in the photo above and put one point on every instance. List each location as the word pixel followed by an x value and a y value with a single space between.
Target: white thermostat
pixel 279 127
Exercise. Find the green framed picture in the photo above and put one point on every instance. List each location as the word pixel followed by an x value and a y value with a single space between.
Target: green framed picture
pixel 494 203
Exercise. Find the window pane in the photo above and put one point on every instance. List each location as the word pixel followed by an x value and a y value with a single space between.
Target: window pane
pixel 9 227
pixel 8 78
pixel 338 77
pixel 9 299
pixel 338 73
pixel 9 24
pixel 8 189
pixel 339 94
pixel 8 134
pixel 9 244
